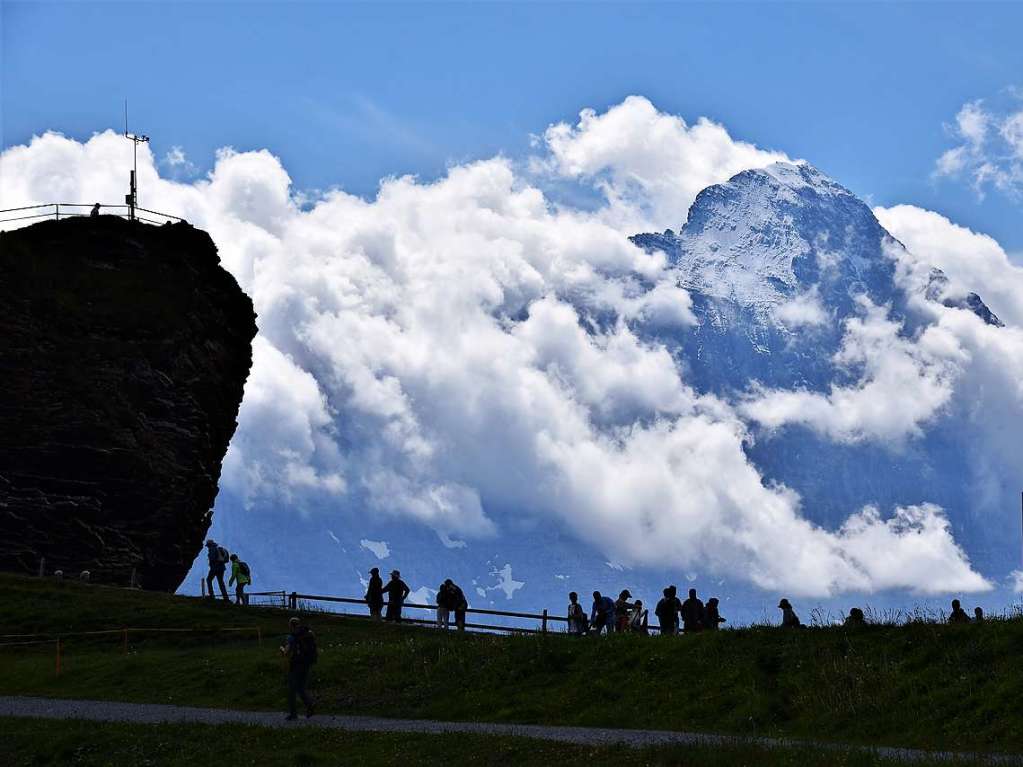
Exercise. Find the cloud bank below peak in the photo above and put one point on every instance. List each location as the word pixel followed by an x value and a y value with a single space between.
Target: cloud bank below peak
pixel 452 350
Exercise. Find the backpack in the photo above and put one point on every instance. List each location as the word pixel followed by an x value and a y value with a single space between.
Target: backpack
pixel 305 651
pixel 244 569
pixel 223 555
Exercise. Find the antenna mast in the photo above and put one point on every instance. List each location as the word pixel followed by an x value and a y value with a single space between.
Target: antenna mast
pixel 132 197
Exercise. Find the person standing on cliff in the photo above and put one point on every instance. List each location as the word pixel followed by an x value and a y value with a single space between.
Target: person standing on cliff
pixel 375 593
pixel 397 590
pixel 218 558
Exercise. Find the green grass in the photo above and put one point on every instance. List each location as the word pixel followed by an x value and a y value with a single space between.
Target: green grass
pixel 921 685
pixel 33 743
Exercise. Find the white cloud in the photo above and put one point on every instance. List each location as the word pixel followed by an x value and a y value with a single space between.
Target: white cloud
pixel 989 152
pixel 453 349
pixel 379 548
pixel 904 382
pixel 648 164
pixel 974 262
pixel 802 310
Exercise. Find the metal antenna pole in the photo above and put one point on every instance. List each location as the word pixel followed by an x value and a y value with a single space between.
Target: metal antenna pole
pixel 132 197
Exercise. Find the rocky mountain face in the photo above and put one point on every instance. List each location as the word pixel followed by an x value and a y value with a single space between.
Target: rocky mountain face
pixel 124 350
pixel 777 261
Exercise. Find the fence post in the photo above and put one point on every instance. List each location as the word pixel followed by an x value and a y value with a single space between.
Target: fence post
pixel 202 586
pixel 543 626
pixel 56 208
pixel 293 600
pixel 132 584
pixel 42 566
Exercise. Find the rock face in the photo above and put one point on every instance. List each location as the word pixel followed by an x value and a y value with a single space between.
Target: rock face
pixel 124 350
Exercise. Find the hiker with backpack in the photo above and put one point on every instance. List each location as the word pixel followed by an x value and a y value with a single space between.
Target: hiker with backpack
pixel 218 558
pixel 397 590
pixel 241 577
pixel 300 650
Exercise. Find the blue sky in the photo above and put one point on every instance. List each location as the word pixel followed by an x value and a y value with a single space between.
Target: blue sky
pixel 347 94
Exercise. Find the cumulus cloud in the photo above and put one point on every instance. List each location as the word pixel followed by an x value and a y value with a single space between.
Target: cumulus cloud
pixel 465 353
pixel 802 310
pixel 648 164
pixel 974 262
pixel 903 383
pixel 989 149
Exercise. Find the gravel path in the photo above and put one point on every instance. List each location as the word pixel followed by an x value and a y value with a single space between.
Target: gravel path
pixel 151 713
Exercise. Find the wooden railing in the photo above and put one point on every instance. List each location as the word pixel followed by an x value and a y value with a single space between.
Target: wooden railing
pixel 544 618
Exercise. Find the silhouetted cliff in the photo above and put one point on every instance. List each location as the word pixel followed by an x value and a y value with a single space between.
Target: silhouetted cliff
pixel 124 350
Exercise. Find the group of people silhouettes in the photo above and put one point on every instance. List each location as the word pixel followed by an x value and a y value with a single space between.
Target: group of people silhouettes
pixel 608 616
pixel 450 599
pixel 241 576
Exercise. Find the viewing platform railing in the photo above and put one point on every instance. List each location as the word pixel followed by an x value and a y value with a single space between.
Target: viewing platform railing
pixel 58 210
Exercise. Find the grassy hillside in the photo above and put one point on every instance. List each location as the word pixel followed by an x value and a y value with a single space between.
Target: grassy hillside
pixel 928 686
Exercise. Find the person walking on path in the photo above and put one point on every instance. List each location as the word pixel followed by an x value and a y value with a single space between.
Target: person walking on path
pixel 397 590
pixel 789 619
pixel 602 614
pixel 300 650
pixel 577 623
pixel 241 577
pixel 375 593
pixel 711 617
pixel 218 558
pixel 958 613
pixel 692 613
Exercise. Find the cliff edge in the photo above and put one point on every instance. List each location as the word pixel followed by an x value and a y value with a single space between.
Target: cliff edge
pixel 124 350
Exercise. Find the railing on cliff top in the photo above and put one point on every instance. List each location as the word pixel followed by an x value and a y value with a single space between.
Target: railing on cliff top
pixel 58 210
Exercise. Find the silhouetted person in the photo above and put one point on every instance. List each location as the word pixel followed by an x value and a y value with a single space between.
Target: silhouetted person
pixel 711 616
pixel 459 602
pixel 958 613
pixel 855 618
pixel 678 605
pixel 95 211
pixel 375 593
pixel 978 615
pixel 397 590
pixel 638 619
pixel 666 613
pixel 692 613
pixel 602 616
pixel 218 558
pixel 450 598
pixel 577 623
pixel 623 609
pixel 241 577
pixel 300 650
pixel 789 619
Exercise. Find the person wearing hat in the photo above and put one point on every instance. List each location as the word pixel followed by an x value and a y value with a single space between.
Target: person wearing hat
pixel 375 593
pixel 397 590
pixel 623 608
pixel 218 558
pixel 789 619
